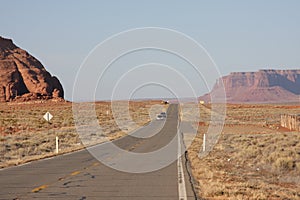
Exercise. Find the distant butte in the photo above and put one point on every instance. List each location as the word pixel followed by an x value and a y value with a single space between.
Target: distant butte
pixel 23 77
pixel 263 86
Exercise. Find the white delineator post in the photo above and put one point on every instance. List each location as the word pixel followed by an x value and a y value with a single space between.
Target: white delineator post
pixel 48 117
pixel 204 139
pixel 56 142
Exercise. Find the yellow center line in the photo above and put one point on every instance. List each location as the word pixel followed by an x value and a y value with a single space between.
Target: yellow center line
pixel 39 188
pixel 35 190
pixel 75 173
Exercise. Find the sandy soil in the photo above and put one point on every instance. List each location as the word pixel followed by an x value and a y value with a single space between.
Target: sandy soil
pixel 254 158
pixel 26 136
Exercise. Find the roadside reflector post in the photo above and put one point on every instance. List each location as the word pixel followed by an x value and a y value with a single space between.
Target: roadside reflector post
pixel 204 142
pixel 56 142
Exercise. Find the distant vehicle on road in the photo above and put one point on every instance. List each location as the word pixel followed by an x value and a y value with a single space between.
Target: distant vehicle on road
pixel 160 117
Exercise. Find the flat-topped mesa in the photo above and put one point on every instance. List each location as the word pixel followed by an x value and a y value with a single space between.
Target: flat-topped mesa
pixel 267 85
pixel 264 78
pixel 23 77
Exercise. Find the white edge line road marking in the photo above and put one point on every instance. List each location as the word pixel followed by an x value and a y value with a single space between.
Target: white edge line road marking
pixel 181 179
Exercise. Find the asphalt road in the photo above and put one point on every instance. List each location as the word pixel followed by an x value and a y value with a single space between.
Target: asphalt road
pixel 80 176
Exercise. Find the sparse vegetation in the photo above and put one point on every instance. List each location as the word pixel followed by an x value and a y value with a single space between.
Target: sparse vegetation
pixel 25 135
pixel 254 159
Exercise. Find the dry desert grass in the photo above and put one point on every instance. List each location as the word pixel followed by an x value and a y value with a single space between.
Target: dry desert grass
pixel 253 159
pixel 26 136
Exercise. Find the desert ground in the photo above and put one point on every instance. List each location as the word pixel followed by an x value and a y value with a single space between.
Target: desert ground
pixel 254 157
pixel 25 135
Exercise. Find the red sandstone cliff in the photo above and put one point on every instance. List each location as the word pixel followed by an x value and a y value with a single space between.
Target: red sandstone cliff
pixel 23 77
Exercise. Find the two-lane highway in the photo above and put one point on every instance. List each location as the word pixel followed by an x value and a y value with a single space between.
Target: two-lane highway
pixel 80 176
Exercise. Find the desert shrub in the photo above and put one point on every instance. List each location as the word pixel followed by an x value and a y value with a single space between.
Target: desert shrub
pixel 284 164
pixel 271 158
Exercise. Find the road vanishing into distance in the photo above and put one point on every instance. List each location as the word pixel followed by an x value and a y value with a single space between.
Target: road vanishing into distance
pixel 80 176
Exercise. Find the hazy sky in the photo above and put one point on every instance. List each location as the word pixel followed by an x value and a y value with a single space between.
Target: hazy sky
pixel 239 35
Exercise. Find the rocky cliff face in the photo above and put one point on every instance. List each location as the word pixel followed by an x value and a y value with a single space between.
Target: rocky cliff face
pixel 23 77
pixel 261 86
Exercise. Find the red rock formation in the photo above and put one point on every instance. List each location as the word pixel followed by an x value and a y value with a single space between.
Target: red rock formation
pixel 22 75
pixel 261 86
